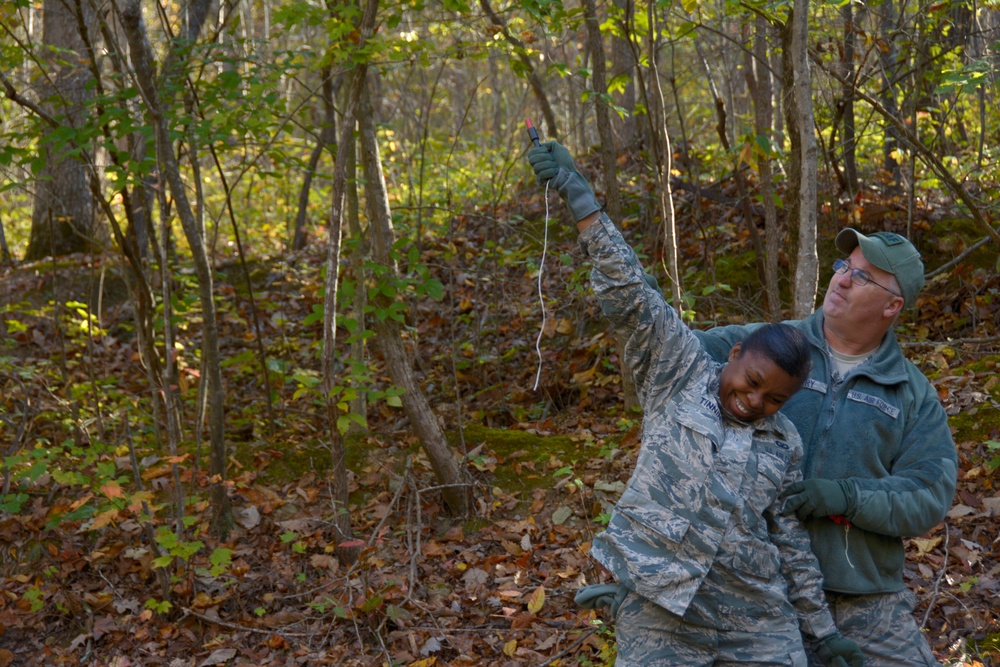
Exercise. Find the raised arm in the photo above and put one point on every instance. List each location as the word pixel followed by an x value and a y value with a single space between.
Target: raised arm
pixel 653 333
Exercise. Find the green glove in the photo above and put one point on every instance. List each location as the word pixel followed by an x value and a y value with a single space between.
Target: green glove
pixel 818 497
pixel 553 164
pixel 837 651
pixel 600 595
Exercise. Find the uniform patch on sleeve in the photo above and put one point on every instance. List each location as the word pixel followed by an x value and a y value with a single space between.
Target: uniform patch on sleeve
pixel 815 385
pixel 873 401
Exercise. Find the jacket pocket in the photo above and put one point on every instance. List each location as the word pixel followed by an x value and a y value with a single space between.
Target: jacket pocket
pixel 754 561
pixel 770 471
pixel 655 524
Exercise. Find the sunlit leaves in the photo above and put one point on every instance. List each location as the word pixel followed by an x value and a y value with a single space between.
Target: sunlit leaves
pixel 298 14
pixel 964 78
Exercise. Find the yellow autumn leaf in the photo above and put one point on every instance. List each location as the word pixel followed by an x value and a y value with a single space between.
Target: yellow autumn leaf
pixel 510 648
pixel 746 156
pixel 925 546
pixel 425 662
pixel 537 600
pixel 585 377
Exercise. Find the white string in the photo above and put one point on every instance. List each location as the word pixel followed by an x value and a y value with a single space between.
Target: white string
pixel 847 535
pixel 541 297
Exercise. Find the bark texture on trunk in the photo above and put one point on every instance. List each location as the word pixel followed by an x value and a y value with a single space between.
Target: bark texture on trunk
pixel 64 219
pixel 807 266
pixel 389 332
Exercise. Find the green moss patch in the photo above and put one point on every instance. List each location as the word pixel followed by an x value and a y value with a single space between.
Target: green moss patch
pixel 520 461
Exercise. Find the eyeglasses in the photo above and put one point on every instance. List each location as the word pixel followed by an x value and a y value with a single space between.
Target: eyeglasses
pixel 859 277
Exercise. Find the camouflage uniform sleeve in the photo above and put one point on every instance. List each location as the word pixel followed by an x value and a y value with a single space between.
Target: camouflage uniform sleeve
pixel 639 314
pixel 798 562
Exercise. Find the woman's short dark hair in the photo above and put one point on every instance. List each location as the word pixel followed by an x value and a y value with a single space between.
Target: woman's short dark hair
pixel 783 344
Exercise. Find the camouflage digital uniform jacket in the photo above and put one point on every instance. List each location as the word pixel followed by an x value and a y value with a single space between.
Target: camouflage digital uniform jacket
pixel 699 524
pixel 881 428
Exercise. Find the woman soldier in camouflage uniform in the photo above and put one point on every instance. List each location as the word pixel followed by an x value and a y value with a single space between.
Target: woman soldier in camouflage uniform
pixel 710 570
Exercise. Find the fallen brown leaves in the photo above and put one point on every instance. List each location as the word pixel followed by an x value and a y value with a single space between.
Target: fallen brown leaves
pixel 494 590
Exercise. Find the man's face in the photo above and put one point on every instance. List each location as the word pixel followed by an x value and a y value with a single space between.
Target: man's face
pixel 862 306
pixel 752 386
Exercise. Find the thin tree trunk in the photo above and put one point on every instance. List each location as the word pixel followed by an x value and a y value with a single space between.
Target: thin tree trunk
pixel 847 100
pixel 145 71
pixel 609 164
pixel 623 64
pixel 327 140
pixel 794 170
pixel 359 404
pixel 652 95
pixel 741 185
pixel 347 549
pixel 759 82
pixel 388 331
pixel 807 266
pixel 609 152
pixel 299 231
pixel 5 257
pixel 890 65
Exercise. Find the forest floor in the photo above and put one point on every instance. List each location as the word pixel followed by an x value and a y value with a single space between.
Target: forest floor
pixel 90 587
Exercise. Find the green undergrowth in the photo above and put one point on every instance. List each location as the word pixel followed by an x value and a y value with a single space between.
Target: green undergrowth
pixel 520 461
pixel 282 464
pixel 974 424
pixel 984 650
pixel 516 461
pixel 951 236
pixel 978 422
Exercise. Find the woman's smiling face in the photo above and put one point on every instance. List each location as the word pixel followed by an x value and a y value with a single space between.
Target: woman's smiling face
pixel 752 386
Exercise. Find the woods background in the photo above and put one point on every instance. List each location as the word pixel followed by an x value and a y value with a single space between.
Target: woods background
pixel 300 365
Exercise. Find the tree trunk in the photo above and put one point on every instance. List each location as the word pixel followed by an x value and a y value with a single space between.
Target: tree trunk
pixel 759 82
pixel 145 72
pixel 847 100
pixel 794 170
pixel 359 361
pixel 652 95
pixel 741 185
pixel 807 266
pixel 890 66
pixel 607 142
pixel 387 328
pixel 623 64
pixel 5 258
pixel 609 163
pixel 347 549
pixel 327 140
pixel 63 218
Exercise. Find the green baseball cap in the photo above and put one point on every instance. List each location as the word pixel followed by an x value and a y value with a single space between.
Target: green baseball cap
pixel 889 252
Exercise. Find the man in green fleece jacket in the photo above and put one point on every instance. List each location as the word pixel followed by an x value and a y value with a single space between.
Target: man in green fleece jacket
pixel 880 463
